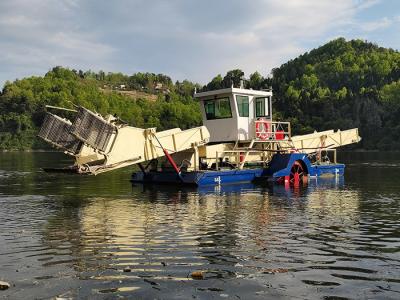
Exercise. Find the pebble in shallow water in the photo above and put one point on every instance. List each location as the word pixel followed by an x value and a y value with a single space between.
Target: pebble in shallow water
pixel 197 275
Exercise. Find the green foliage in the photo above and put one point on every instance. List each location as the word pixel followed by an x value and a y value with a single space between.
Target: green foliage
pixel 340 85
pixel 390 94
pixel 216 83
pixel 232 78
pixel 22 103
pixel 256 81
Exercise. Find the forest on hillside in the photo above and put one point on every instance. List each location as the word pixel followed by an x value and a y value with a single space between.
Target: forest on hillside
pixel 340 85
pixel 343 84
pixel 22 102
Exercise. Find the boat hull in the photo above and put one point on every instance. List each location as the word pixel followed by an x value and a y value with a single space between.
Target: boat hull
pixel 280 166
pixel 200 178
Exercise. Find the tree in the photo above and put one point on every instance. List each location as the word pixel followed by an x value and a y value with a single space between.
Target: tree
pixel 233 78
pixel 256 81
pixel 214 84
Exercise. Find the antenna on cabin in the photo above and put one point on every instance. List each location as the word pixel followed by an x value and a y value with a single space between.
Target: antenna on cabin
pixel 241 84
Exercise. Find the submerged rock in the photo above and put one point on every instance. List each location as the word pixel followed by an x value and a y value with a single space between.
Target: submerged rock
pixel 4 285
pixel 197 275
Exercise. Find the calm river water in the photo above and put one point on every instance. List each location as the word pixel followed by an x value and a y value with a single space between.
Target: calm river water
pixel 100 237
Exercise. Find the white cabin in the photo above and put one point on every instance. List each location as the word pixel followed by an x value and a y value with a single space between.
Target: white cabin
pixel 230 114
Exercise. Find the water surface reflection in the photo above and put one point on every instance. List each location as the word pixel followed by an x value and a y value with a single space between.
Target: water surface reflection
pixel 101 237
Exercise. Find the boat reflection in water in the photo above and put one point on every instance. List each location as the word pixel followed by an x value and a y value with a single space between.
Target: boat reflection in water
pixel 236 235
pixel 99 237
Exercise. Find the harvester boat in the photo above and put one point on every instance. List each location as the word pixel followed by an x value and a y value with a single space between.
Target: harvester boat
pixel 239 142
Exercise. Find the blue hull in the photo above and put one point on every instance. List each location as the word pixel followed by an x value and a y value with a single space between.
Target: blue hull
pixel 200 178
pixel 280 166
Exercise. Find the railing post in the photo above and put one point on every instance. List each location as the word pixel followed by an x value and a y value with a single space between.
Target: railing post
pixel 255 129
pixel 273 128
pixel 334 156
pixel 196 158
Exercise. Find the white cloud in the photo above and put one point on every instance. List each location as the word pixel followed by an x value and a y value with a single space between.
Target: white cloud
pixel 37 35
pixel 364 4
pixel 275 36
pixel 375 25
pixel 184 39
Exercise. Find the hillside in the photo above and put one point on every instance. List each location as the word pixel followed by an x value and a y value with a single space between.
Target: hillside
pixel 22 102
pixel 340 85
pixel 133 94
pixel 343 84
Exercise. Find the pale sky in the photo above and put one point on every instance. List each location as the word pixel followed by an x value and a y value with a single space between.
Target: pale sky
pixel 185 39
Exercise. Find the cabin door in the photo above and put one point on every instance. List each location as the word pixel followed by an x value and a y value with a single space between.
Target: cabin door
pixel 242 103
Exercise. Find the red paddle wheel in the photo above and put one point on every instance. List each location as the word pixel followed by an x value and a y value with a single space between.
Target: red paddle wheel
pixel 297 174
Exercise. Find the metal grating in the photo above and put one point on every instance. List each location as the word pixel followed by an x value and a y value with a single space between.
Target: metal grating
pixel 92 129
pixel 56 131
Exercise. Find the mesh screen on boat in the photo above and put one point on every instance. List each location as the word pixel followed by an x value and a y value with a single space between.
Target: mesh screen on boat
pixel 56 131
pixel 92 129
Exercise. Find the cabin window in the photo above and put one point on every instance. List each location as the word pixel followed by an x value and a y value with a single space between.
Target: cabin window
pixel 243 105
pixel 262 107
pixel 218 109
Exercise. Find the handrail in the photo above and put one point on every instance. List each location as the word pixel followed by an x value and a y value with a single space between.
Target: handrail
pixel 238 153
pixel 272 130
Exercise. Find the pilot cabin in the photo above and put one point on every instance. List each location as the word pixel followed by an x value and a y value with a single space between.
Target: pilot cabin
pixel 236 114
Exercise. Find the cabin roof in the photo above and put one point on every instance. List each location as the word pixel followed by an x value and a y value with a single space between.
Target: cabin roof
pixel 233 91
